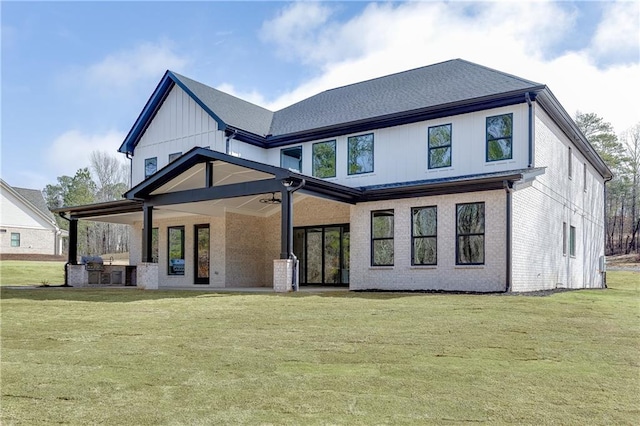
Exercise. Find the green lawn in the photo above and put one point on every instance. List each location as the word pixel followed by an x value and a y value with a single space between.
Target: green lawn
pixel 27 272
pixel 87 356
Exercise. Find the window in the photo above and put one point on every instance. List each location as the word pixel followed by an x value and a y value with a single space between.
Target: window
pixel 15 239
pixel 424 221
pixel 439 146
pixel 360 153
pixel 291 158
pixel 572 241
pixel 564 238
pixel 382 238
pixel 176 250
pixel 499 137
pixel 570 164
pixel 324 159
pixel 150 166
pixel 174 156
pixel 470 234
pixel 584 177
pixel 154 245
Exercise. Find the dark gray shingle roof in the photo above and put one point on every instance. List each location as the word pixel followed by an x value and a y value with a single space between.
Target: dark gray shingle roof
pixel 233 111
pixel 36 198
pixel 440 84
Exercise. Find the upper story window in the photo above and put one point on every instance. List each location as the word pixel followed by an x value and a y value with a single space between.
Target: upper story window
pixel 499 137
pixel 570 164
pixel 360 153
pixel 150 166
pixel 424 225
pixel 440 146
pixel 15 239
pixel 323 159
pixel 584 177
pixel 382 238
pixel 470 234
pixel 174 156
pixel 291 158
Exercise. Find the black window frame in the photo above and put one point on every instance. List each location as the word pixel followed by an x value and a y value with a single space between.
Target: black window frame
pixel 433 148
pixel 349 139
pixel 314 171
pixel 471 234
pixel 492 139
pixel 14 240
pixel 182 249
pixel 374 239
pixel 431 236
pixel 291 149
pixel 147 163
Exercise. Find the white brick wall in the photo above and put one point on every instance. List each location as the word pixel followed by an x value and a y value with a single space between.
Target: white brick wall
pixel 540 209
pixel 446 275
pixel 32 241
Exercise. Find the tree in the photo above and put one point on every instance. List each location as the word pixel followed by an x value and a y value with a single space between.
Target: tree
pixel 106 180
pixel 631 166
pixel 602 137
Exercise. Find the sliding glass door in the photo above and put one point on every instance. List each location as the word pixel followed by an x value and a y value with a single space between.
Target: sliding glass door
pixel 323 252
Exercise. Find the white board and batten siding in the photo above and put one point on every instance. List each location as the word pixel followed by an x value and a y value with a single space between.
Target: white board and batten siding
pixel 400 152
pixel 554 198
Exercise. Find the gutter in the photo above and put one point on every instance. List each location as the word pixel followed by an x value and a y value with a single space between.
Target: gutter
pixel 129 156
pixel 230 137
pixel 508 187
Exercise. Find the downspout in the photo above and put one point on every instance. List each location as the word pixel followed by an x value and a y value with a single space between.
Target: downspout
pixel 129 156
pixel 527 97
pixel 230 137
pixel 508 187
pixel 294 273
pixel 66 265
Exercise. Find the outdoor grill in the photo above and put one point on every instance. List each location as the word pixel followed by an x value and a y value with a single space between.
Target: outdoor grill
pixel 92 263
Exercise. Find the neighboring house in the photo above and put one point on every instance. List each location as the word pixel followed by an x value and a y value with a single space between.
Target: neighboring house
pixel 26 224
pixel 450 177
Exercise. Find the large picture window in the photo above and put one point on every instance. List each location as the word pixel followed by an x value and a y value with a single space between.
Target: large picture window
pixel 360 150
pixel 499 137
pixel 424 224
pixel 15 239
pixel 291 158
pixel 176 250
pixel 382 238
pixel 439 146
pixel 324 159
pixel 470 234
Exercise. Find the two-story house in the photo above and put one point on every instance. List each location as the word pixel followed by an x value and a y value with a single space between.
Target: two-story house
pixel 450 177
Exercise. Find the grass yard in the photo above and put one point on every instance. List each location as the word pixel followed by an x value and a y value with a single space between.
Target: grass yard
pixel 27 272
pixel 85 356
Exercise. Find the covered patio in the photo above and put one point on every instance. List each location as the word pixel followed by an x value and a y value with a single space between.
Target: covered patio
pixel 226 194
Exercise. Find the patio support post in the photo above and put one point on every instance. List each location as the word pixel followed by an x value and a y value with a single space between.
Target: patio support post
pixel 286 228
pixel 147 232
pixel 208 175
pixel 73 241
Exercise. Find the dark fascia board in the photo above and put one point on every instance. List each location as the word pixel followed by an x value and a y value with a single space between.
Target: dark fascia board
pixel 551 106
pixel 191 158
pixel 100 209
pixel 153 105
pixel 447 187
pixel 391 120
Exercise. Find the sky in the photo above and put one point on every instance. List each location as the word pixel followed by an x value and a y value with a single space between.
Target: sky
pixel 76 75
